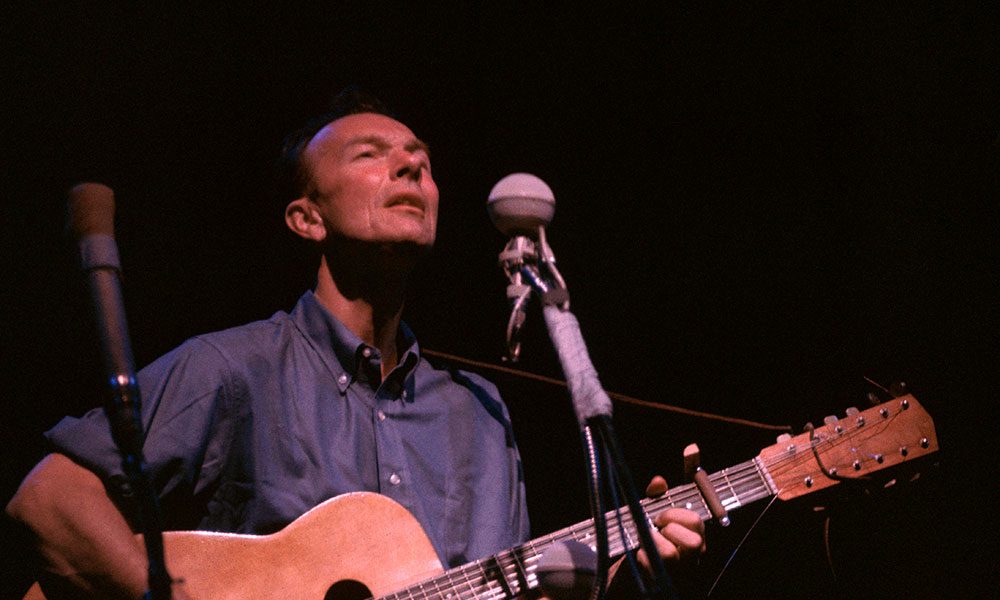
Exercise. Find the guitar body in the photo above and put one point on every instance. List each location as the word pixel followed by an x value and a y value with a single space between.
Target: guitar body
pixel 348 543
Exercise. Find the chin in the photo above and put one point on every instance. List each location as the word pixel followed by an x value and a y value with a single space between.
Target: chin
pixel 405 247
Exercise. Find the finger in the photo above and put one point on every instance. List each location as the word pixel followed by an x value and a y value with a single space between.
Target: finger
pixel 686 541
pixel 682 516
pixel 657 487
pixel 666 549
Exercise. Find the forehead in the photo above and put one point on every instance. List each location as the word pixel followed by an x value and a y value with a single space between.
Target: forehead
pixel 357 128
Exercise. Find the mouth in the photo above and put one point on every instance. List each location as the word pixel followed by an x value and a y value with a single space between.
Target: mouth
pixel 409 201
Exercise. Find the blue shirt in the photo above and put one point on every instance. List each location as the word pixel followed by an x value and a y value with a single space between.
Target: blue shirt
pixel 250 427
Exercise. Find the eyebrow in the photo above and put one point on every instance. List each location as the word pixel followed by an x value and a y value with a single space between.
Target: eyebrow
pixel 411 146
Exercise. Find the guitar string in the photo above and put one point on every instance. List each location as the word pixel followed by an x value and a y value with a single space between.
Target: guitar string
pixel 526 567
pixel 736 478
pixel 830 442
pixel 683 496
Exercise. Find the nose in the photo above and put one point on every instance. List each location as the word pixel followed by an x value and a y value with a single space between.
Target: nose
pixel 408 165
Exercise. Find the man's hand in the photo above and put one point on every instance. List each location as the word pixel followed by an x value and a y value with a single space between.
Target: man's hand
pixel 85 543
pixel 679 533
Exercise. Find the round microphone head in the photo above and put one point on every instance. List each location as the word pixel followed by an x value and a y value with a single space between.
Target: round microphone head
pixel 566 570
pixel 91 210
pixel 520 203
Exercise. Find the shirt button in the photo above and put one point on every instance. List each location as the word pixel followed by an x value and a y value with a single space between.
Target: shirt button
pixel 381 416
pixel 394 479
pixel 342 379
pixel 367 352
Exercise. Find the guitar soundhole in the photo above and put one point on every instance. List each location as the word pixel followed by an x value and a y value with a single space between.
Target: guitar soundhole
pixel 348 589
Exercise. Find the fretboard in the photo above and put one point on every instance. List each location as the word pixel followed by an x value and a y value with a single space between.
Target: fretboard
pixel 513 571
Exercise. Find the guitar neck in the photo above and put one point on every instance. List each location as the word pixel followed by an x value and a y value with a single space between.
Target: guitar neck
pixel 864 442
pixel 513 572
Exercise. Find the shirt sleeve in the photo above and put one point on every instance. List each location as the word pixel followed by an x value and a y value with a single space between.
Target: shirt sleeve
pixel 185 397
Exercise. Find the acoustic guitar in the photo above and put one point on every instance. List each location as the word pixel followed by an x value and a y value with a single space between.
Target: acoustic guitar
pixel 364 545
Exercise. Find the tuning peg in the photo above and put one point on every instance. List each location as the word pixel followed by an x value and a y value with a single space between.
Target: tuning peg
pixel 785 437
pixel 873 399
pixel 852 411
pixel 898 388
pixel 833 422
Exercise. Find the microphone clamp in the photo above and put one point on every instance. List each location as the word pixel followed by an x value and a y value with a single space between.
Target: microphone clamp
pixel 530 264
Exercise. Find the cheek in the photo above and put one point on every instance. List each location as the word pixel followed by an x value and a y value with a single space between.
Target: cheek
pixel 350 199
pixel 433 198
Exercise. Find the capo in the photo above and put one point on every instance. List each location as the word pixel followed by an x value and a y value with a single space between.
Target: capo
pixel 694 472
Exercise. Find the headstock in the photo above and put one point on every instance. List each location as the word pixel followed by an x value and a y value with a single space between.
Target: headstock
pixel 854 446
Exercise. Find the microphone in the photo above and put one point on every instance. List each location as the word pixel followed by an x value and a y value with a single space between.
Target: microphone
pixel 91 218
pixel 520 203
pixel 566 570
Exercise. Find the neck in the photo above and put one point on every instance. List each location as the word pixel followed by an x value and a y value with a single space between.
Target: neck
pixel 366 299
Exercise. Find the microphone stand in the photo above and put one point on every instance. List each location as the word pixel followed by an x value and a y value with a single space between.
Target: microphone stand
pixel 532 264
pixel 89 204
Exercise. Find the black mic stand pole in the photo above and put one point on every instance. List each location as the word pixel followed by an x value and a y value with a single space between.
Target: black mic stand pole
pixel 91 217
pixel 593 409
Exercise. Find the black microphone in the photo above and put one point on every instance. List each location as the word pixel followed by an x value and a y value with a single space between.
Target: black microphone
pixel 91 215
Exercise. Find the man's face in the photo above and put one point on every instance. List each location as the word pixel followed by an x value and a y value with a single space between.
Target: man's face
pixel 371 179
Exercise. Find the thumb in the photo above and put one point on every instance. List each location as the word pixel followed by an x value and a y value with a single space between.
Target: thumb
pixel 657 487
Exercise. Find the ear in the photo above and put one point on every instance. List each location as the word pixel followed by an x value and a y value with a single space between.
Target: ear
pixel 303 217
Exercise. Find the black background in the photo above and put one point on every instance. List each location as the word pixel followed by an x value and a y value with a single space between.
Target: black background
pixel 757 208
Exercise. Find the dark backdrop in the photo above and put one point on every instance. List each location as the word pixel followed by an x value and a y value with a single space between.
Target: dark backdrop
pixel 757 208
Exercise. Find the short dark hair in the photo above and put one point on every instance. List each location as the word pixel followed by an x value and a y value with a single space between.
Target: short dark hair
pixel 291 176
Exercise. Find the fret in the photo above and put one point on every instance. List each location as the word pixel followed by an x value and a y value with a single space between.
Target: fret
pixel 487 581
pixel 495 572
pixel 582 532
pixel 524 577
pixel 733 500
pixel 513 572
pixel 620 535
pixel 530 564
pixel 468 581
pixel 517 575
pixel 438 591
pixel 765 476
pixel 753 486
pixel 702 505
pixel 736 497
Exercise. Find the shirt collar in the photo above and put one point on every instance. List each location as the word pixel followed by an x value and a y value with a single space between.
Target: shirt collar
pixel 339 348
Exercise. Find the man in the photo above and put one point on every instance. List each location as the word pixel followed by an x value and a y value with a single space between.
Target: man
pixel 249 428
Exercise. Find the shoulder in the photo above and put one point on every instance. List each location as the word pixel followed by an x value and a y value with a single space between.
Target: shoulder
pixel 444 375
pixel 224 352
pixel 464 386
pixel 258 337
